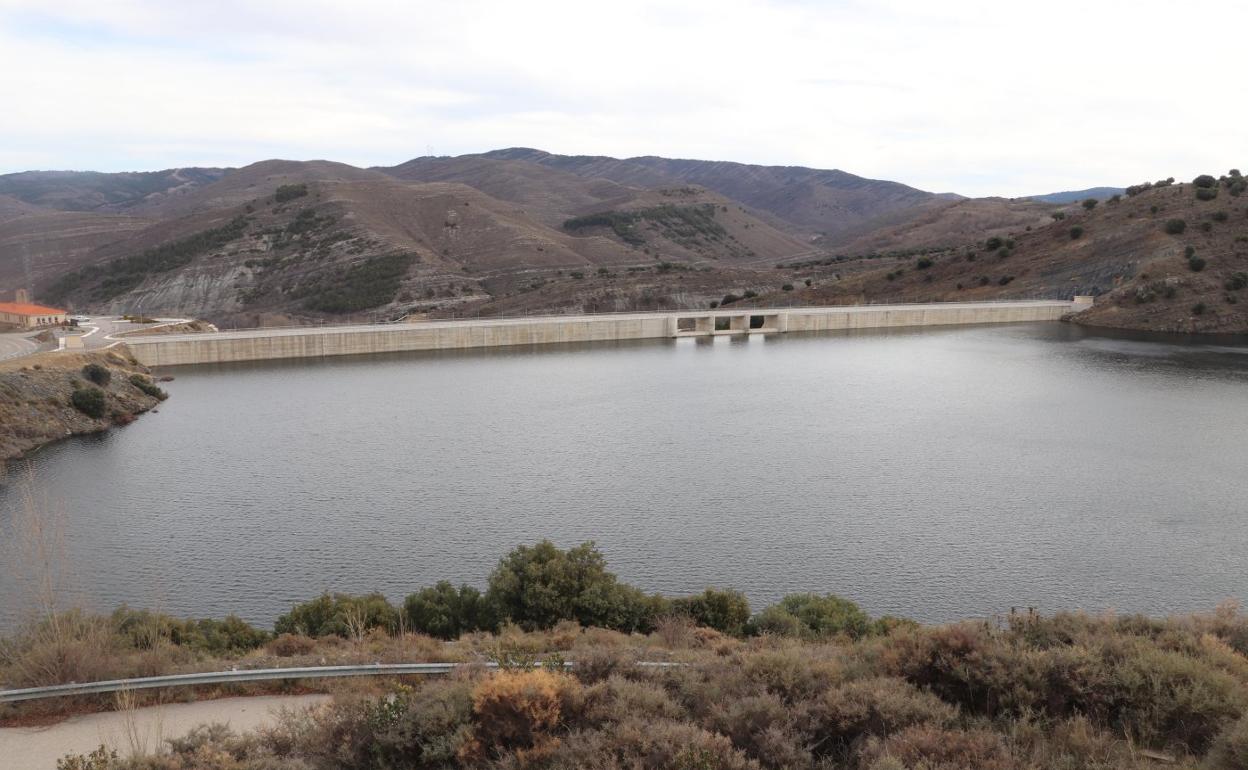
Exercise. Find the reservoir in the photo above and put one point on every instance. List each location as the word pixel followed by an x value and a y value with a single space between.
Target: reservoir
pixel 936 474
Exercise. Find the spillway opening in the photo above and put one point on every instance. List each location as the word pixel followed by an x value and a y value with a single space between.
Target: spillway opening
pixel 756 321
pixel 723 323
pixel 686 324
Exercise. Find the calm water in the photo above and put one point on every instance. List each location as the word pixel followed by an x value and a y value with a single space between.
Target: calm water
pixel 934 474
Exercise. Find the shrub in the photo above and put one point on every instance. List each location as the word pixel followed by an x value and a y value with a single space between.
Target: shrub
pixel 729 299
pixel 1199 308
pixel 1196 264
pixel 879 707
pixel 146 385
pixel 1005 279
pixel 89 401
pixel 536 587
pixel 1237 281
pixel 446 612
pixel 339 615
pixel 924 263
pixel 1206 194
pixel 1175 226
pixel 816 617
pixel 1058 215
pixel 1204 181
pixel 518 711
pixel 933 748
pixel 787 287
pixel 1076 232
pixel 1189 252
pixel 290 645
pixel 1089 203
pixel 1230 750
pixel 97 374
pixel 725 611
pixel 992 244
pixel 289 192
pixel 1219 216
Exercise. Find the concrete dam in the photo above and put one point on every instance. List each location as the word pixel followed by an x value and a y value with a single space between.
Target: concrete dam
pixel 317 342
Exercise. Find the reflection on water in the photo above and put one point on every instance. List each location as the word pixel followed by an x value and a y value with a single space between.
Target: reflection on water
pixel 935 474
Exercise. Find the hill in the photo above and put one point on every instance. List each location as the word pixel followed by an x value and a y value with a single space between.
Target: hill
pixel 280 241
pixel 96 191
pixel 815 201
pixel 1165 258
pixel 1074 196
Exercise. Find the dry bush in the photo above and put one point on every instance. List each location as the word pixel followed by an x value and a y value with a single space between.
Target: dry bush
pixel 64 647
pixel 675 631
pixel 290 645
pixel 518 712
pixel 848 714
pixel 648 745
pixel 1230 749
pixel 616 700
pixel 934 748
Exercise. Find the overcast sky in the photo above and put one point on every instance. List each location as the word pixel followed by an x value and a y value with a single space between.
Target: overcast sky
pixel 982 98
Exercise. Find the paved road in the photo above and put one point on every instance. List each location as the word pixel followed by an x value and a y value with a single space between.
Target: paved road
pixel 38 748
pixel 15 345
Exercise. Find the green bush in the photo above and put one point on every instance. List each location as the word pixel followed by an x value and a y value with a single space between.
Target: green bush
pixel 1204 181
pixel 98 374
pixel 924 263
pixel 1237 281
pixel 1089 203
pixel 368 284
pixel 1219 216
pixel 1206 193
pixel 289 192
pixel 446 612
pixel 1175 226
pixel 1076 232
pixel 89 401
pixel 1230 750
pixel 339 615
pixel 146 385
pixel 1199 308
pixel 1196 264
pixel 538 586
pixel 787 287
pixel 817 617
pixel 727 611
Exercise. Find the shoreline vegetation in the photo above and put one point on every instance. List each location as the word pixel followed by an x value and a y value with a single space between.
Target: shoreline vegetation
pixel 47 397
pixel 810 682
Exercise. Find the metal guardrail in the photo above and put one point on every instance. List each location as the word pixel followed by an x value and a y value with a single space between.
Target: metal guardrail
pixel 252 675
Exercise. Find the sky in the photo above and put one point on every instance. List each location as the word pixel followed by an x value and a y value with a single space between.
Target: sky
pixel 977 97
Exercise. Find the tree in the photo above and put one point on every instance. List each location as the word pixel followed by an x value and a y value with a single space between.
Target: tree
pixel 446 612
pixel 89 401
pixel 1090 203
pixel 538 586
pixel 1205 181
pixel 1175 226
pixel 727 611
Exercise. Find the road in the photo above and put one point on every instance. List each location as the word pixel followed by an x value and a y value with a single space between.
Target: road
pixel 38 748
pixel 15 345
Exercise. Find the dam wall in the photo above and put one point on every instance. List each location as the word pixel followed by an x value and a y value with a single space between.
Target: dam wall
pixel 317 342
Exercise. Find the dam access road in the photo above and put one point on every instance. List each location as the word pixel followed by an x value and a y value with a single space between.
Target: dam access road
pixel 317 342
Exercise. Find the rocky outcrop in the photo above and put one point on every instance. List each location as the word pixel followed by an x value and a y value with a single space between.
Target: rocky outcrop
pixel 37 401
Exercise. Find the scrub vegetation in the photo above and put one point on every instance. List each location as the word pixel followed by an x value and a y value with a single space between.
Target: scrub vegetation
pixel 810 682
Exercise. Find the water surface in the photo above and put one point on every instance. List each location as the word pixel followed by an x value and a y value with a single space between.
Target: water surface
pixel 935 474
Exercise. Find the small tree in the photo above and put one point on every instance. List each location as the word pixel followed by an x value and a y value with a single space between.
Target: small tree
pixel 98 374
pixel 1090 203
pixel 1175 226
pixel 1204 181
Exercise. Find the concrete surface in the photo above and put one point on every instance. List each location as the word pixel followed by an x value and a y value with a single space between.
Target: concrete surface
pixel 316 342
pixel 38 748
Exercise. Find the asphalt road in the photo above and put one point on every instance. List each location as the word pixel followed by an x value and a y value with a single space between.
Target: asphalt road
pixel 15 345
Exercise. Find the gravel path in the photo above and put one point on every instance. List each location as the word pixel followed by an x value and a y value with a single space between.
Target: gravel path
pixel 38 748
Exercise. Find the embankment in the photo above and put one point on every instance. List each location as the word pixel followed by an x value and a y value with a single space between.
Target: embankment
pixel 37 397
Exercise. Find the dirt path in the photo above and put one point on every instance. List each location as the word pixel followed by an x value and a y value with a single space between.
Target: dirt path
pixel 38 748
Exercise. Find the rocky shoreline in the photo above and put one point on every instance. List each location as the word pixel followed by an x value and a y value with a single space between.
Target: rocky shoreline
pixel 38 397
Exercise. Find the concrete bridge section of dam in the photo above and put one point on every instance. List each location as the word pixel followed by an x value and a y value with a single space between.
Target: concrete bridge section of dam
pixel 316 342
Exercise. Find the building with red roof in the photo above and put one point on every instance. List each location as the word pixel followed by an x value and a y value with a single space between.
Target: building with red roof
pixel 28 315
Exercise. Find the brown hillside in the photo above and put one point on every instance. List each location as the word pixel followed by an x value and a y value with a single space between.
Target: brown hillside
pixel 1120 250
pixel 51 242
pixel 831 202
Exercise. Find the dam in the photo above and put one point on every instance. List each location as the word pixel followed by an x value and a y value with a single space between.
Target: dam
pixel 321 341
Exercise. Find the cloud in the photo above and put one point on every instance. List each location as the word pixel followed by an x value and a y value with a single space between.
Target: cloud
pixel 977 97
